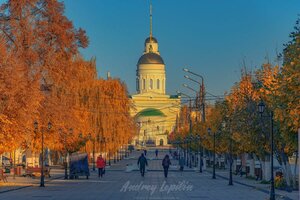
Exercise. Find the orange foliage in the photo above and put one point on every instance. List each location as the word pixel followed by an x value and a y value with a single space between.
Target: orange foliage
pixel 44 78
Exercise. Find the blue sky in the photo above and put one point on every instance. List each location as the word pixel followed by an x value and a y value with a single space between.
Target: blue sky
pixel 212 37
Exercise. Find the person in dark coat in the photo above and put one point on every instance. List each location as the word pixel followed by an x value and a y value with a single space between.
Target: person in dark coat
pixel 166 163
pixel 156 153
pixel 145 152
pixel 142 161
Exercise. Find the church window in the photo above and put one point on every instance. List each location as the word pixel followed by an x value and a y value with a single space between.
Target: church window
pixel 157 84
pixel 150 48
pixel 144 84
pixel 151 84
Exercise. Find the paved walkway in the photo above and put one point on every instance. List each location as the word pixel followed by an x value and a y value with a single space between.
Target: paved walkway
pixel 16 183
pixel 119 184
pixel 154 163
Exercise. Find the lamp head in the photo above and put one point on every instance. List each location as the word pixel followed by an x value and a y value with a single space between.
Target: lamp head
pixel 49 125
pixel 209 131
pixel 35 124
pixel 261 107
pixel 185 69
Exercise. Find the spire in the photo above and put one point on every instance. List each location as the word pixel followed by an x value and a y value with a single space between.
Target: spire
pixel 150 20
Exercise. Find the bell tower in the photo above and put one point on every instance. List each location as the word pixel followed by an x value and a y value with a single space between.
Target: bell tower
pixel 151 75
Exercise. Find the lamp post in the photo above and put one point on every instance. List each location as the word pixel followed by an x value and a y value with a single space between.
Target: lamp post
pixel 109 163
pixel 202 89
pixel 93 154
pixel 186 86
pixel 93 142
pixel 230 157
pixel 214 155
pixel 187 151
pixel 65 149
pixel 190 149
pixel 42 182
pixel 261 109
pixel 198 137
pixel 187 139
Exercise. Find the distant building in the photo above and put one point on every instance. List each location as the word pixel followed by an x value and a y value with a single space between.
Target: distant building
pixel 155 112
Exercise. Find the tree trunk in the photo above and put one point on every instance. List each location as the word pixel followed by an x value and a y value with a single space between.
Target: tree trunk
pixel 295 171
pixel 252 165
pixel 287 172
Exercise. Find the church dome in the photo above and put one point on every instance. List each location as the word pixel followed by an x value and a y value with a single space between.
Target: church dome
pixel 150 58
pixel 153 39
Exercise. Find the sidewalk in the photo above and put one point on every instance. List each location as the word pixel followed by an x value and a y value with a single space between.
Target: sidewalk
pixel 119 184
pixel 238 180
pixel 154 164
pixel 131 186
pixel 20 182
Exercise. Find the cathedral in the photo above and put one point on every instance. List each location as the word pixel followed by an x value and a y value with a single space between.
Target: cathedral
pixel 154 111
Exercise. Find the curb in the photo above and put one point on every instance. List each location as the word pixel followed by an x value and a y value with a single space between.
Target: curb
pixel 22 187
pixel 253 187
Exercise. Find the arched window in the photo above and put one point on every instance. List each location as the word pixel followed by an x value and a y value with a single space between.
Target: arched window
pixel 161 142
pixel 157 83
pixel 144 84
pixel 151 84
pixel 137 84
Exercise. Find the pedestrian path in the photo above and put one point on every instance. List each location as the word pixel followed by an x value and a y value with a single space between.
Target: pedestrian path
pixel 119 184
pixel 281 194
pixel 154 163
pixel 15 183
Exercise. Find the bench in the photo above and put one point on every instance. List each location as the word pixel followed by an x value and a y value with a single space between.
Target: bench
pixel 3 176
pixel 36 171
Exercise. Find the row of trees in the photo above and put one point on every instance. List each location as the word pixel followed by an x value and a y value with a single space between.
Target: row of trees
pixel 236 120
pixel 43 78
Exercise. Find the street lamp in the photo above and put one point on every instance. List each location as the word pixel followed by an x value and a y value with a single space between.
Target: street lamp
pixel 42 182
pixel 66 151
pixel 202 89
pixel 261 109
pixel 190 150
pixel 93 141
pixel 230 150
pixel 231 160
pixel 214 155
pixel 187 139
pixel 198 137
pixel 186 86
pixel 187 151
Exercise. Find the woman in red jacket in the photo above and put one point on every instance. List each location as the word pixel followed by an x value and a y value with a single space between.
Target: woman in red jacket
pixel 100 165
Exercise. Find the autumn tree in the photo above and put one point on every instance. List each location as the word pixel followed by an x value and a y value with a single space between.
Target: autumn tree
pixel 44 78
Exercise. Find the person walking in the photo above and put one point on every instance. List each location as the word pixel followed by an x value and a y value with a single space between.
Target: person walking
pixel 101 166
pixel 166 163
pixel 142 162
pixel 145 152
pixel 156 153
pixel 181 164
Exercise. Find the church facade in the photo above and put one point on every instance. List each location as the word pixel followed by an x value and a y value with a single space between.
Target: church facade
pixel 154 111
